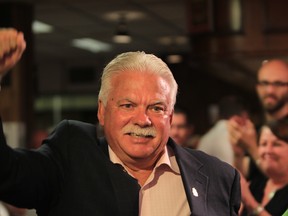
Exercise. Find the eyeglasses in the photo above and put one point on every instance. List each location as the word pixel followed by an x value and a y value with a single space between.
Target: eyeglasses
pixel 276 84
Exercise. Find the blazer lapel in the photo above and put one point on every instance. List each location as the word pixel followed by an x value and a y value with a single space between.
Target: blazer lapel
pixel 195 182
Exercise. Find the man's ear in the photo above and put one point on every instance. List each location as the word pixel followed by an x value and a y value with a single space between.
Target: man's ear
pixel 171 116
pixel 101 112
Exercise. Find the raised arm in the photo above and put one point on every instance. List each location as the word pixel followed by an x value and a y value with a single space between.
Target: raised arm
pixel 12 46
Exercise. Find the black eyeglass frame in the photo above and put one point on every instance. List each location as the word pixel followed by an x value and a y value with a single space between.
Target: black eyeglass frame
pixel 277 84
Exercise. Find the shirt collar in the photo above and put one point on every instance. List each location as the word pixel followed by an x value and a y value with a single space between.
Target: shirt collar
pixel 168 159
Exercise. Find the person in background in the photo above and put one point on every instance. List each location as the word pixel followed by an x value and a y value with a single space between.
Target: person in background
pixel 182 130
pixel 135 169
pixel 272 90
pixel 216 141
pixel 267 194
pixel 3 210
pixel 10 210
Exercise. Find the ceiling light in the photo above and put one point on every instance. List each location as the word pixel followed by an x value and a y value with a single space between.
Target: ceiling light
pixel 174 59
pixel 129 15
pixel 121 38
pixel 40 27
pixel 122 35
pixel 91 45
pixel 173 40
pixel 165 40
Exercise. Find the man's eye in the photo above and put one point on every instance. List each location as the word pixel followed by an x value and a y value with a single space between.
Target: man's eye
pixel 157 109
pixel 126 106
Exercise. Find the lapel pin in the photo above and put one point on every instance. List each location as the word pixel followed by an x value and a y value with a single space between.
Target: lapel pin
pixel 194 192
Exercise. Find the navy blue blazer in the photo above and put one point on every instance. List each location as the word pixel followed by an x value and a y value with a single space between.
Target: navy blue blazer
pixel 71 174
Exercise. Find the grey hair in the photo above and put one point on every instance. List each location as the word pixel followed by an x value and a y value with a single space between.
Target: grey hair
pixel 139 62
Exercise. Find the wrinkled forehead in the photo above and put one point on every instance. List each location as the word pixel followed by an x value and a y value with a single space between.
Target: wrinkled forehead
pixel 141 84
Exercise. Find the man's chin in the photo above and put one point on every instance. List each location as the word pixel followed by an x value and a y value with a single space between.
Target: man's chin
pixel 272 108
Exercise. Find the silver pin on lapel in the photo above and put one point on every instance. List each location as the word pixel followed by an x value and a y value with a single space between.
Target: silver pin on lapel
pixel 194 192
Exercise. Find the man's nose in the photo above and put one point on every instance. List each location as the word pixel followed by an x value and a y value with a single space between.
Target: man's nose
pixel 142 118
pixel 270 88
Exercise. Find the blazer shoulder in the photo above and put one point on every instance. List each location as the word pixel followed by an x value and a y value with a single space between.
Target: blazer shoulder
pixel 71 133
pixel 212 164
pixel 74 127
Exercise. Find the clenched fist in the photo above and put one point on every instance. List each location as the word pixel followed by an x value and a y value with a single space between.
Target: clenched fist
pixel 12 46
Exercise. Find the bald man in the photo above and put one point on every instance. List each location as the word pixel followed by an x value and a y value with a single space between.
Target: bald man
pixel 272 89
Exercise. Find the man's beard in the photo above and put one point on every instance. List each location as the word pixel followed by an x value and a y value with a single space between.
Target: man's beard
pixel 276 107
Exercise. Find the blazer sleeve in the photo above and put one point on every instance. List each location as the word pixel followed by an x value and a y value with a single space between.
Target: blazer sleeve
pixel 28 177
pixel 235 197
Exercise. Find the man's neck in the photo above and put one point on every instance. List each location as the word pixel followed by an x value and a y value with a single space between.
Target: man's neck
pixel 138 168
pixel 140 175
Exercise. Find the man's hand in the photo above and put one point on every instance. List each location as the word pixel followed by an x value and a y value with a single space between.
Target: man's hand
pixel 12 45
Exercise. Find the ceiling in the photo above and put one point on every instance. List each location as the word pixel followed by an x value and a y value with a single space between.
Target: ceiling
pixel 148 21
pixel 156 26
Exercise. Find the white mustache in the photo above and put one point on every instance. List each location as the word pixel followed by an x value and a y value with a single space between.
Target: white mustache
pixel 138 131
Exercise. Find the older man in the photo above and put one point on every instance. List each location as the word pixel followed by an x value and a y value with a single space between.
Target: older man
pixel 135 170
